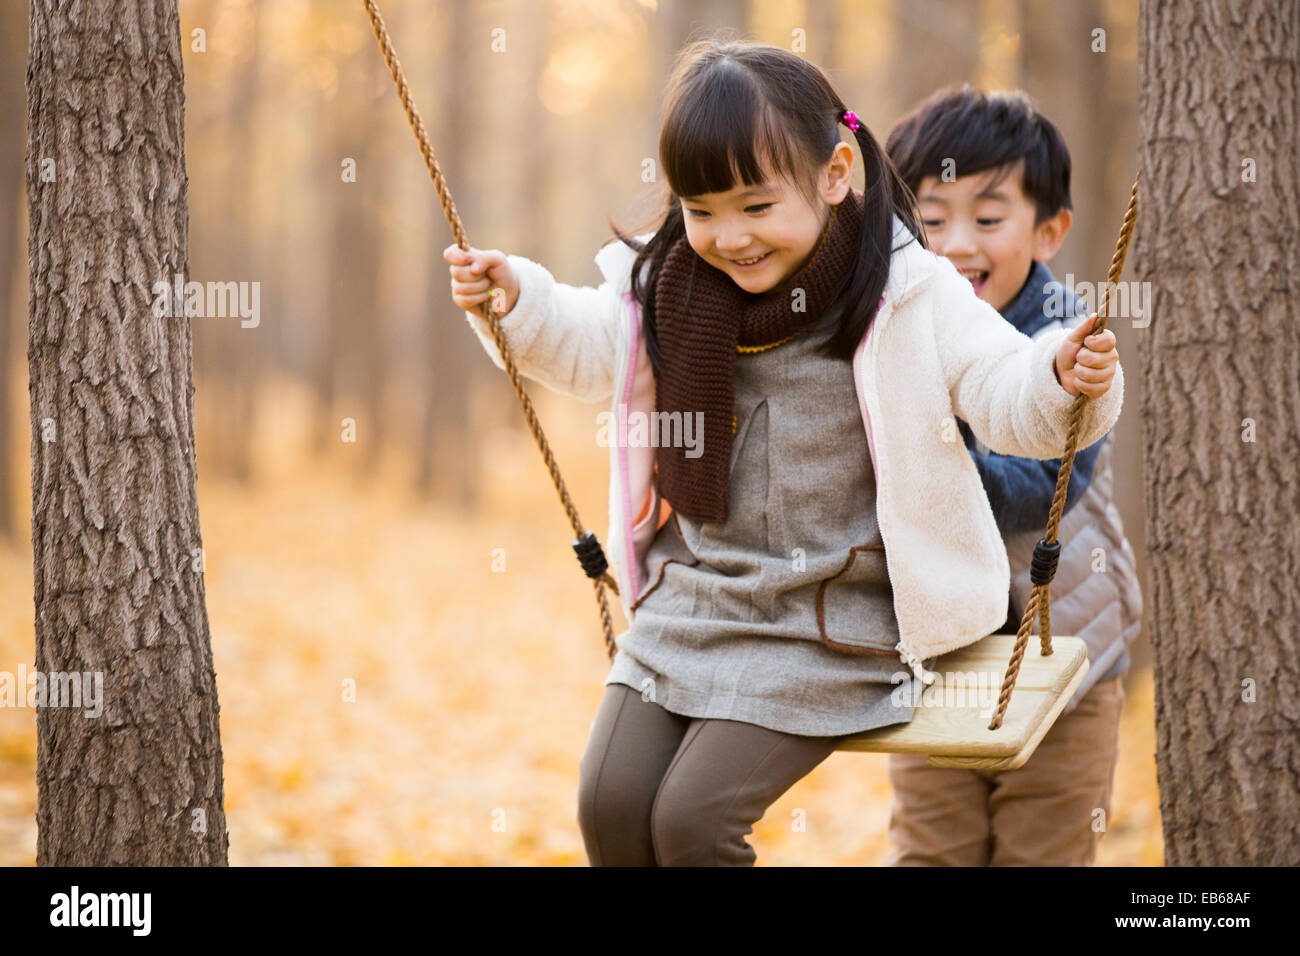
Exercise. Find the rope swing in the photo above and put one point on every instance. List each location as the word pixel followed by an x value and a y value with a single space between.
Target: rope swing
pixel 951 735
pixel 1043 567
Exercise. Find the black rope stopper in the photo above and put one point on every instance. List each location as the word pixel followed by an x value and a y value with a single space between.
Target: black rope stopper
pixel 590 555
pixel 1043 568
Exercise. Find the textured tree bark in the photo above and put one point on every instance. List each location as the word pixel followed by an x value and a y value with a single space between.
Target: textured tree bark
pixel 115 524
pixel 1219 102
pixel 13 39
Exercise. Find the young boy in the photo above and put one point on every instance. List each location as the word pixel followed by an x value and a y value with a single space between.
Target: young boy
pixel 992 179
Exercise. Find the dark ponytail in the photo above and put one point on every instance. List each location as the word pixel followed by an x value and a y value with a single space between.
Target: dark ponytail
pixel 884 196
pixel 645 272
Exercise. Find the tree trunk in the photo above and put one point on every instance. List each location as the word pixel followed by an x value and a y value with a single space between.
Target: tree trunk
pixel 1056 62
pixel 1219 105
pixel 115 525
pixel 447 467
pixel 239 351
pixel 355 329
pixel 12 43
pixel 937 45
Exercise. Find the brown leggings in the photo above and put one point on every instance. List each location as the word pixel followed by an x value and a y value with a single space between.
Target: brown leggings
pixel 661 789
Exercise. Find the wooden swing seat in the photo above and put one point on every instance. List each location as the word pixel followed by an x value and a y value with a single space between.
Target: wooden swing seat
pixel 953 728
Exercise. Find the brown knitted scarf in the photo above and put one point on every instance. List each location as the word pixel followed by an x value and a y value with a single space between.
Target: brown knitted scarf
pixel 701 316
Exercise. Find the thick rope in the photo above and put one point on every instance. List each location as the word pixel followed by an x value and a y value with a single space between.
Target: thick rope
pixel 1040 599
pixel 585 542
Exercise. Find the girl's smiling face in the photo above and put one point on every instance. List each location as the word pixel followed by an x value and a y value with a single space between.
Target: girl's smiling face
pixel 771 223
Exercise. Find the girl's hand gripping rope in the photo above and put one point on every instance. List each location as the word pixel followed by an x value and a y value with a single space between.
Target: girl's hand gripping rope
pixel 1086 363
pixel 481 274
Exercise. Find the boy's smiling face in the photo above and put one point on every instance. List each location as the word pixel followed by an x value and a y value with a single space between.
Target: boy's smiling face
pixel 772 223
pixel 984 224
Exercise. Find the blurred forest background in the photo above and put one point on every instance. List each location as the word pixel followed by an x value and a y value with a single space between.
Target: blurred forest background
pixel 329 560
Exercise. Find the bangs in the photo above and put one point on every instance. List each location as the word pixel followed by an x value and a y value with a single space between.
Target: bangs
pixel 723 135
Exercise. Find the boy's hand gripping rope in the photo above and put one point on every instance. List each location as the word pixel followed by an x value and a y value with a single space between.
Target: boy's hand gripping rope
pixel 1048 549
pixel 590 554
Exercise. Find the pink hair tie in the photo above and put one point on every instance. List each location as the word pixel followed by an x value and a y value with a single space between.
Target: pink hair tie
pixel 850 119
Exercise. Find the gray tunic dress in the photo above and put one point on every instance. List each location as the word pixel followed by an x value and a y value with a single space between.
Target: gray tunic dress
pixel 741 618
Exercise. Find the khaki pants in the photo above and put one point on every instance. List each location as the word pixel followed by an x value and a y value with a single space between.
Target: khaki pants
pixel 1043 814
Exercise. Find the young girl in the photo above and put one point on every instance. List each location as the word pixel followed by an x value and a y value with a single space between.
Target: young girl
pixel 802 357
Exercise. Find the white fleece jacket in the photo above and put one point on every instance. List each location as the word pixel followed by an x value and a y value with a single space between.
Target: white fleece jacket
pixel 935 350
